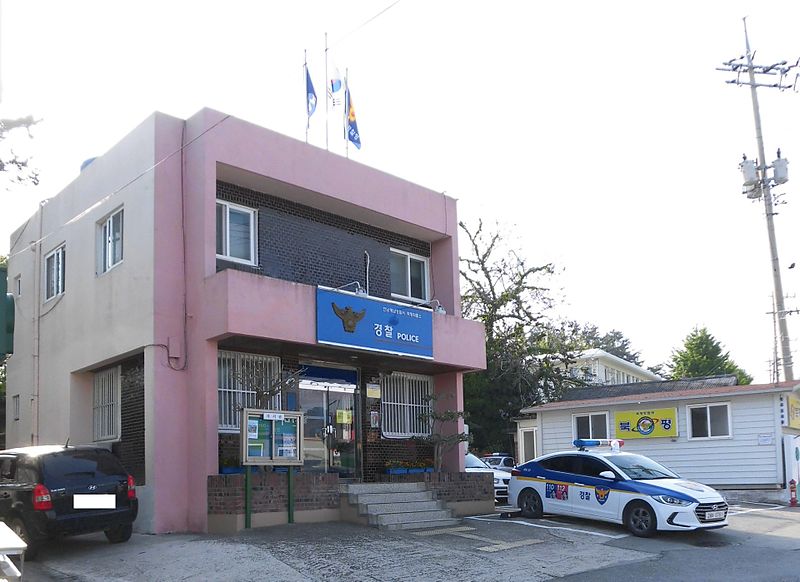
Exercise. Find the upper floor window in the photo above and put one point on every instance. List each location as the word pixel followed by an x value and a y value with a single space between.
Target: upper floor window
pixel 409 274
pixel 236 233
pixel 15 406
pixel 54 269
pixel 110 235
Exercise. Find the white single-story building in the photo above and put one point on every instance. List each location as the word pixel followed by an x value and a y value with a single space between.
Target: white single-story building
pixel 744 440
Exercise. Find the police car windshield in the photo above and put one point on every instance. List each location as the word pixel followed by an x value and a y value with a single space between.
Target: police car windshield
pixel 639 467
pixel 473 462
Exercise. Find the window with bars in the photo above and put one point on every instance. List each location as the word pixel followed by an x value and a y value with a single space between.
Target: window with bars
pixel 240 378
pixel 106 404
pixel 405 405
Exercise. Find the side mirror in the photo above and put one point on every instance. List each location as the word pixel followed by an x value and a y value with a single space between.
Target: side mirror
pixel 607 475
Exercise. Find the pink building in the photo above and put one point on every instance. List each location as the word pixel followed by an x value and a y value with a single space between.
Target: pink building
pixel 197 255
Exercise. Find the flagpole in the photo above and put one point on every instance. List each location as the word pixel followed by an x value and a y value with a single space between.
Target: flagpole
pixel 305 82
pixel 346 113
pixel 327 82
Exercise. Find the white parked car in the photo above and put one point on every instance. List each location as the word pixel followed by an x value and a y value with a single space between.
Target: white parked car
pixel 610 485
pixel 473 464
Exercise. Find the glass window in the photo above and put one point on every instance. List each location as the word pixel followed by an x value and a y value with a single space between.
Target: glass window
pixel 709 421
pixel 15 406
pixel 406 405
pixel 563 464
pixel 640 467
pixel 592 467
pixel 409 276
pixel 54 273
pixel 236 235
pixel 106 404
pixel 111 238
pixel 591 426
pixel 240 379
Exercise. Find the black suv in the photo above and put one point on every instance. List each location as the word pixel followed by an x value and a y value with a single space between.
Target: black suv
pixel 50 491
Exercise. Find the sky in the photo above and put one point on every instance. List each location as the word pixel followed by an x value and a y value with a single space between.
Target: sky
pixel 596 136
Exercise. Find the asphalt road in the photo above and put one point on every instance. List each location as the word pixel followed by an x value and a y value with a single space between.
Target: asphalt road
pixel 762 543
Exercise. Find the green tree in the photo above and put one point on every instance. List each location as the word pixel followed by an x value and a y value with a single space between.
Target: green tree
pixel 581 337
pixel 702 355
pixel 524 367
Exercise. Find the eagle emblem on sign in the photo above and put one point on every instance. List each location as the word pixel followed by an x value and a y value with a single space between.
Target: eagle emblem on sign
pixel 601 494
pixel 349 317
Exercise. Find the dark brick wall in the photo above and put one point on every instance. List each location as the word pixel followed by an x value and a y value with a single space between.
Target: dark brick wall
pixel 270 492
pixel 302 244
pixel 130 448
pixel 451 486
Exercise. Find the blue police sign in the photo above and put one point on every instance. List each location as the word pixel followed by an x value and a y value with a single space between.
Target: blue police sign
pixel 367 323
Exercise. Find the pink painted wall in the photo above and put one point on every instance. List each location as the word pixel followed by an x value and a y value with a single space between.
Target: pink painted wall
pixel 184 403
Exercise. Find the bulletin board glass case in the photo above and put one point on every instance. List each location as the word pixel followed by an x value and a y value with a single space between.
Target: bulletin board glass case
pixel 272 437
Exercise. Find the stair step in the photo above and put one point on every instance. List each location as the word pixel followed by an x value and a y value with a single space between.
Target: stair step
pixel 409 517
pixel 361 498
pixel 402 507
pixel 359 488
pixel 429 524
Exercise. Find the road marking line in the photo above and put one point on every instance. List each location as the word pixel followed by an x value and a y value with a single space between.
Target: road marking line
pixel 509 545
pixel 738 511
pixel 592 533
pixel 478 538
pixel 448 530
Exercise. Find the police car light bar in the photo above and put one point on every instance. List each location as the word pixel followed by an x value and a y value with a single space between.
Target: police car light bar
pixel 615 444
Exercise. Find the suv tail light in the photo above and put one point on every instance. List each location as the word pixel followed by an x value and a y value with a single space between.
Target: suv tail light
pixel 41 498
pixel 516 472
pixel 131 487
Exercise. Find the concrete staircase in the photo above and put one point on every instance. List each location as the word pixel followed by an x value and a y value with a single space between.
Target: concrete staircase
pixel 396 506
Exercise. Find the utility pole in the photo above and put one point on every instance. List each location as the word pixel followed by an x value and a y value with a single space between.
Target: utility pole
pixel 757 184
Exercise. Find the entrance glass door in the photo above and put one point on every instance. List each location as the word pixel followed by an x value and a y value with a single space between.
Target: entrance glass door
pixel 330 440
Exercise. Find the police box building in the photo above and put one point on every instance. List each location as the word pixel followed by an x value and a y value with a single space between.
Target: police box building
pixel 213 266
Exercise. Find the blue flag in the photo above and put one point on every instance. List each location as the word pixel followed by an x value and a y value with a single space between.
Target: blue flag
pixel 311 95
pixel 351 125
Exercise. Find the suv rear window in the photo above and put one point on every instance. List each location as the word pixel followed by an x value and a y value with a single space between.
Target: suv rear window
pixel 61 468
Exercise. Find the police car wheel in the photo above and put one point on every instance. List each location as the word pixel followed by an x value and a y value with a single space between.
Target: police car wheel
pixel 640 519
pixel 530 503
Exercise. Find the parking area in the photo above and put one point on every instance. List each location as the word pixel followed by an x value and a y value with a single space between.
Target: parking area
pixel 485 547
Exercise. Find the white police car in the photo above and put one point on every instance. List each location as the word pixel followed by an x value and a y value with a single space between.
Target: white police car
pixel 473 464
pixel 613 486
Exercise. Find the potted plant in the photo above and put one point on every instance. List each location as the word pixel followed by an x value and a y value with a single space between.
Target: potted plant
pixel 230 465
pixel 396 468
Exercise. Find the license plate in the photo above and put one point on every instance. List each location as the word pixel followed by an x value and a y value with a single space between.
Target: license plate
pixel 96 501
pixel 715 515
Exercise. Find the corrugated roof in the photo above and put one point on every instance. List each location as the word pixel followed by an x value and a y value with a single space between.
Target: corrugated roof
pixel 717 386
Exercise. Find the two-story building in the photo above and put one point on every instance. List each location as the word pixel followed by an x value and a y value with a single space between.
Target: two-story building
pixel 199 259
pixel 598 367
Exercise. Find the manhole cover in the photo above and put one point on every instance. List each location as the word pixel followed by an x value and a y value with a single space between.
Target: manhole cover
pixel 709 543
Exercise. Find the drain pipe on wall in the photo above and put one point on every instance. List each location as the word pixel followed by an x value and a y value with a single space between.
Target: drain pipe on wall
pixel 366 255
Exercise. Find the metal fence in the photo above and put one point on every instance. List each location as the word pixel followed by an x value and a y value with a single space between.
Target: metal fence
pixel 239 377
pixel 406 405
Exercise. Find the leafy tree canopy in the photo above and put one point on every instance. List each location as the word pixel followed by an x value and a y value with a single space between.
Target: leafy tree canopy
pixel 15 167
pixel 702 355
pixel 587 336
pixel 524 365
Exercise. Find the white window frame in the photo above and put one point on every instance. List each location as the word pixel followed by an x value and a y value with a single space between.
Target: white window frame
pixel 426 265
pixel 58 257
pixel 404 397
pixel 106 405
pixel 107 257
pixel 18 285
pixel 708 406
pixel 15 406
pixel 227 238
pixel 521 440
pixel 231 395
pixel 590 414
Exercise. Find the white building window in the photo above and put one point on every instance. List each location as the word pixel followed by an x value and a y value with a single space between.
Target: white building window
pixel 590 426
pixel 239 377
pixel 54 272
pixel 236 233
pixel 110 237
pixel 106 404
pixel 18 285
pixel 409 276
pixel 709 421
pixel 406 405
pixel 15 406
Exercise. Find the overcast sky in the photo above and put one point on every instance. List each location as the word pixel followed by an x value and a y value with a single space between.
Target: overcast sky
pixel 598 134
